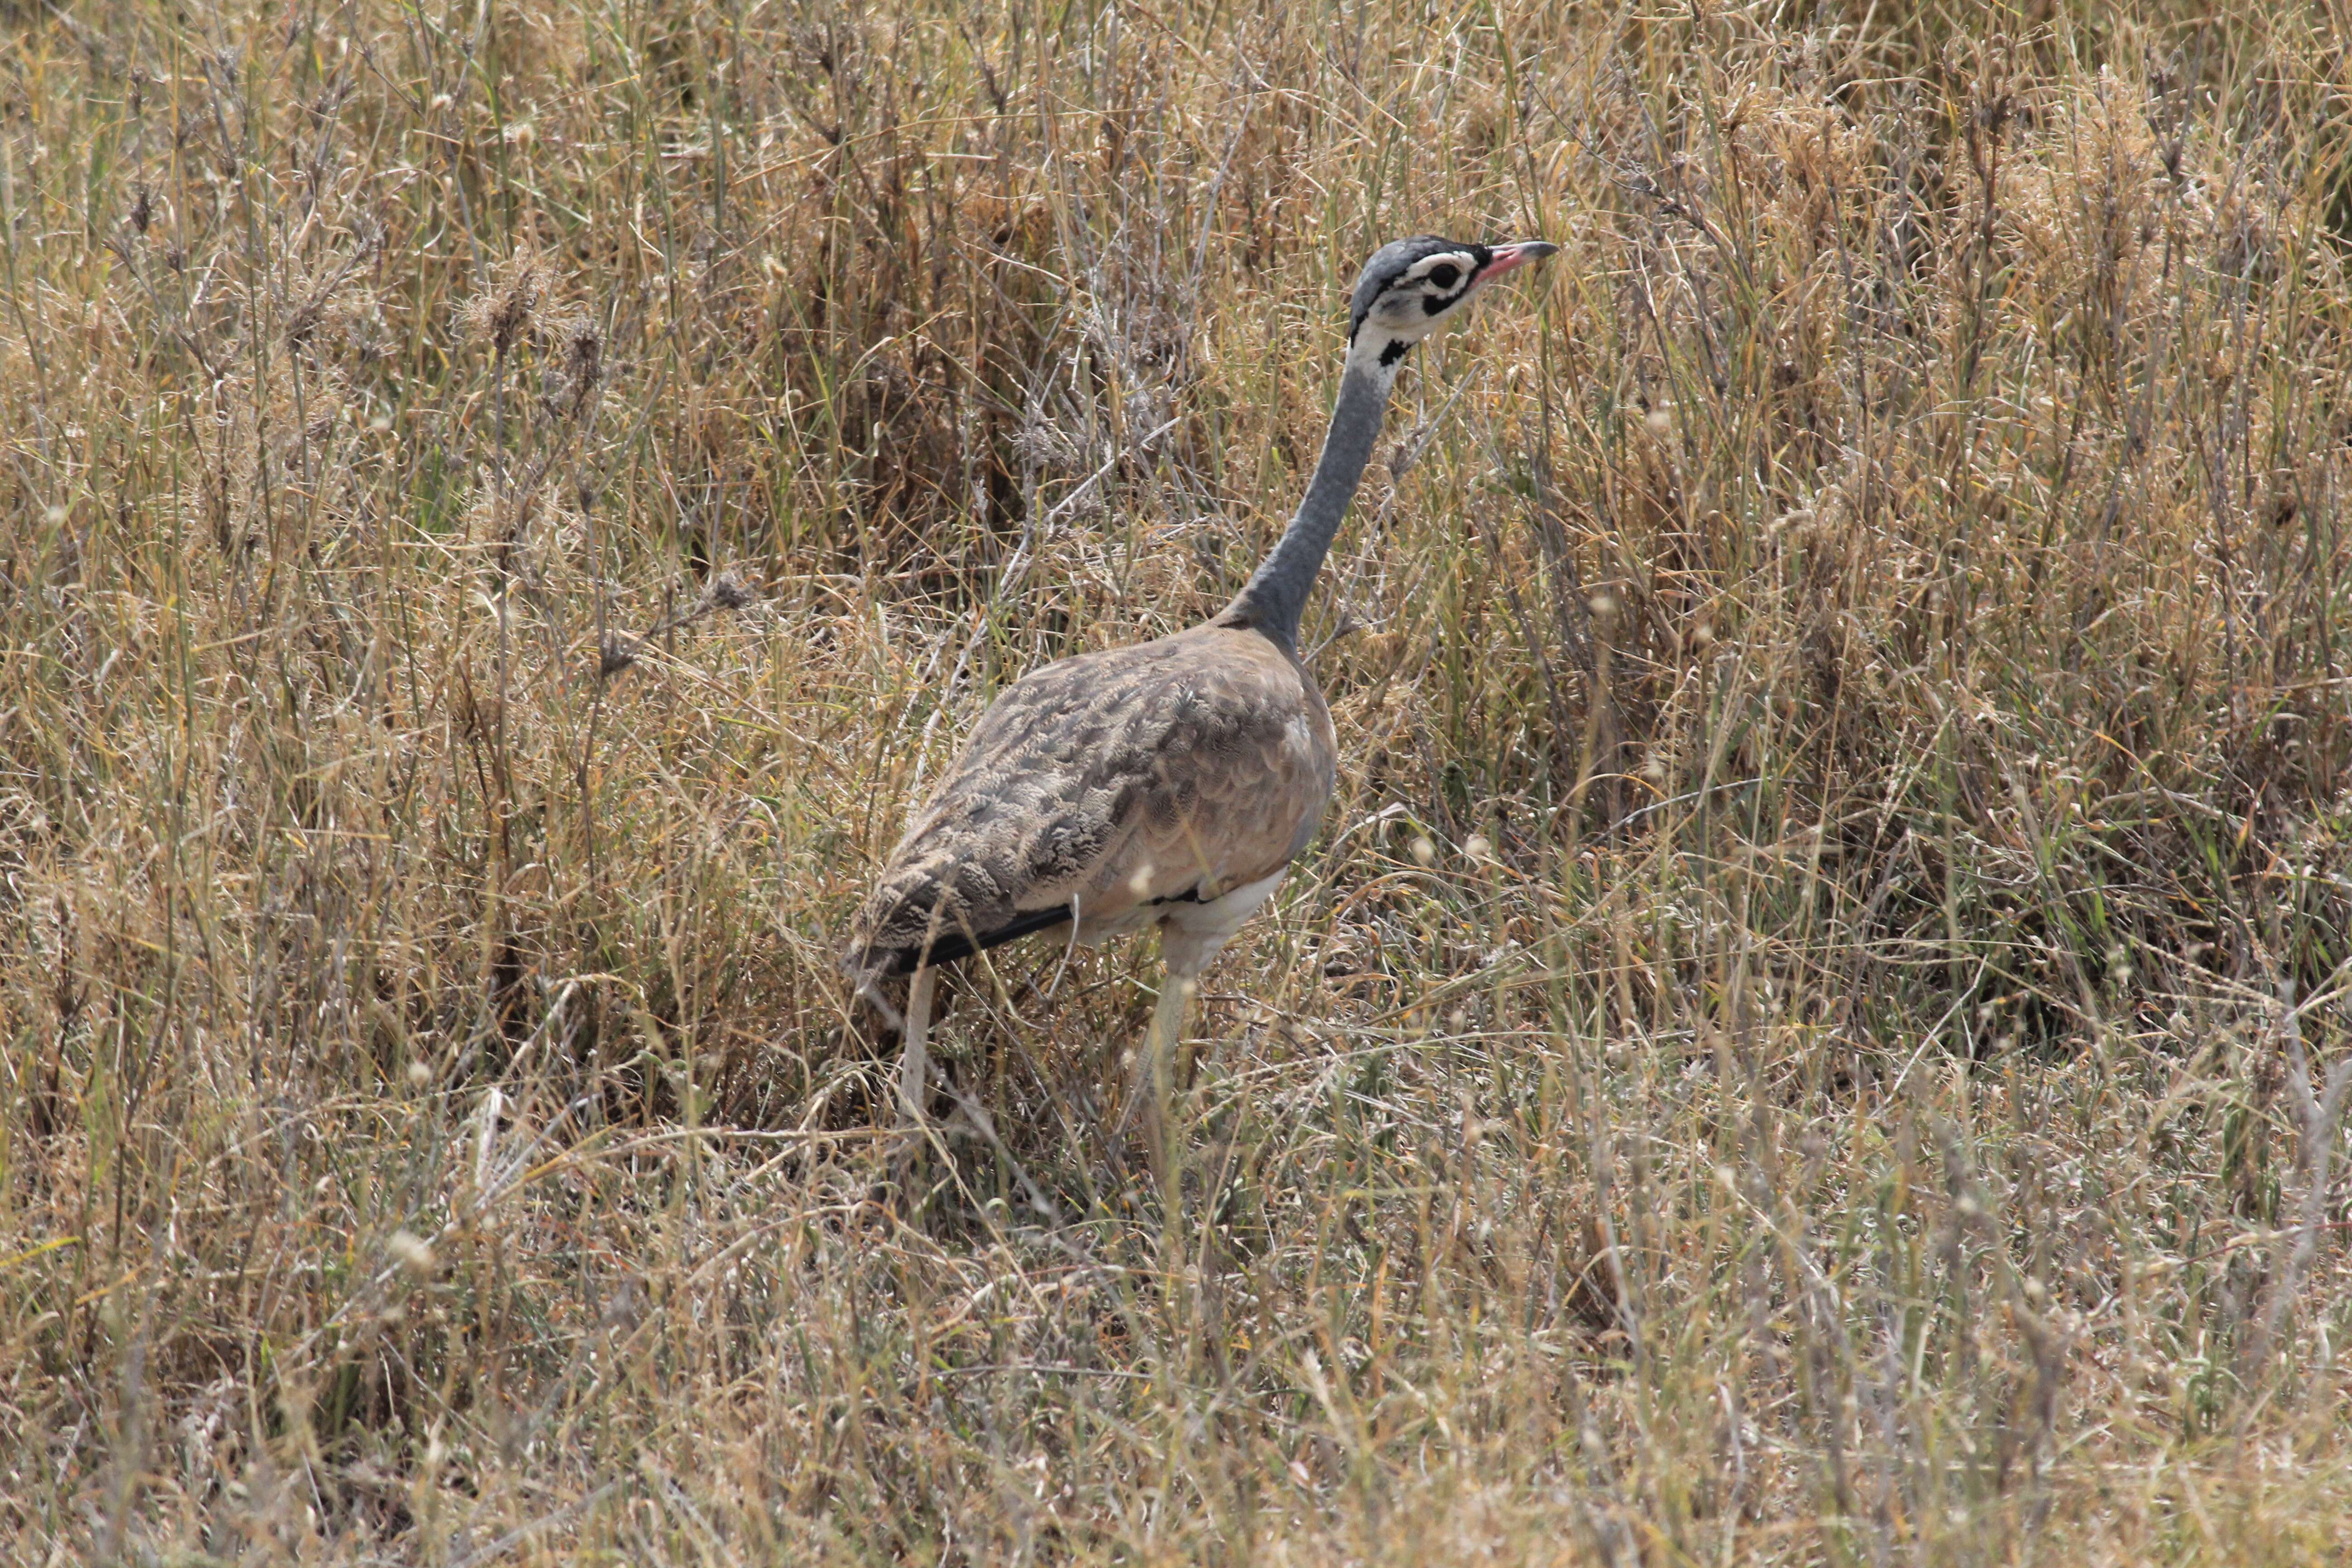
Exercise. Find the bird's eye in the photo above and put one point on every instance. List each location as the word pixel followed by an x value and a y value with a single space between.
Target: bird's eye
pixel 1443 277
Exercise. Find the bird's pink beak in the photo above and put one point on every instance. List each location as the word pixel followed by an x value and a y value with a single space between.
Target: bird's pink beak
pixel 1506 256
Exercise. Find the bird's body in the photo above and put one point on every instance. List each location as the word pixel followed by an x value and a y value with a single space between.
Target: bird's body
pixel 1168 783
pixel 1165 780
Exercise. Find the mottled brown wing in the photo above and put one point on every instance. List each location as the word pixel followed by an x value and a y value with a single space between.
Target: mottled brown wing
pixel 1176 769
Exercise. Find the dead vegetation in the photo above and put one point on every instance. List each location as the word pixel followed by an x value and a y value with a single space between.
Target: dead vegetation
pixel 1816 1028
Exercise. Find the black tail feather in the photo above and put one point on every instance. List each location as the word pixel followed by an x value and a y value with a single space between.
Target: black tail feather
pixel 949 947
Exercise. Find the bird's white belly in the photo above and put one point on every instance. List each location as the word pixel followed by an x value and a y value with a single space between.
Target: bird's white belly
pixel 1195 931
pixel 1093 930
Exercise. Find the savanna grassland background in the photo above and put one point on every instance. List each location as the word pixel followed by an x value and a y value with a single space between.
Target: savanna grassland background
pixel 1815 1032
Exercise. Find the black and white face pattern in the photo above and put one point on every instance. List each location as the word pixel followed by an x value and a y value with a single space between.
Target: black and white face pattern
pixel 1412 286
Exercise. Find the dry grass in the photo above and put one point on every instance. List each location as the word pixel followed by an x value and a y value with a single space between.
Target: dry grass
pixel 1816 1030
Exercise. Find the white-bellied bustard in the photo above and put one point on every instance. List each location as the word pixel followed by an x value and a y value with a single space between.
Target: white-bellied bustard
pixel 1169 783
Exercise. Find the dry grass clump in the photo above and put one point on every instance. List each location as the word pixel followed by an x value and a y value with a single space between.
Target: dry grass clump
pixel 1816 1030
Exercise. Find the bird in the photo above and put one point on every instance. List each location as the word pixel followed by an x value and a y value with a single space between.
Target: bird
pixel 1168 783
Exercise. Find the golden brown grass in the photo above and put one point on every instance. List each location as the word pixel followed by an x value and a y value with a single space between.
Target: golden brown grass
pixel 1816 1030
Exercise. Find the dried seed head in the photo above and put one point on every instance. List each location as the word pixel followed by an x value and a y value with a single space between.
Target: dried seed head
pixel 1424 853
pixel 614 657
pixel 411 1253
pixel 584 347
pixel 506 310
pixel 580 372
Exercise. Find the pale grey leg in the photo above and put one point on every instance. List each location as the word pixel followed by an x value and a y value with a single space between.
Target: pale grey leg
pixel 914 1061
pixel 1155 1076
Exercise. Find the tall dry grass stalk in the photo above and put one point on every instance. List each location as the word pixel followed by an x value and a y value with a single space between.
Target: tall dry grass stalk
pixel 1815 1032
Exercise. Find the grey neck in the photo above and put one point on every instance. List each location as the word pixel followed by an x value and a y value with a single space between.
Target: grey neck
pixel 1277 592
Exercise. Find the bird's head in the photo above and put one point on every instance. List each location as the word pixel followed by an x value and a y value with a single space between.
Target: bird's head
pixel 1412 286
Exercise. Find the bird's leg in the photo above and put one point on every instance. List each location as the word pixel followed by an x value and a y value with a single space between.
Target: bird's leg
pixel 1155 1079
pixel 914 1062
pixel 1188 1047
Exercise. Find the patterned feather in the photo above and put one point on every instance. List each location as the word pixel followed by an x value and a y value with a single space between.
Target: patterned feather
pixel 1108 784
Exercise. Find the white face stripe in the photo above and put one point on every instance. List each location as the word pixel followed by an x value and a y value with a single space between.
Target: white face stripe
pixel 1463 263
pixel 1408 309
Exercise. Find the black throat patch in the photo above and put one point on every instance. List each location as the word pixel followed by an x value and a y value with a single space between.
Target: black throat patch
pixel 1394 352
